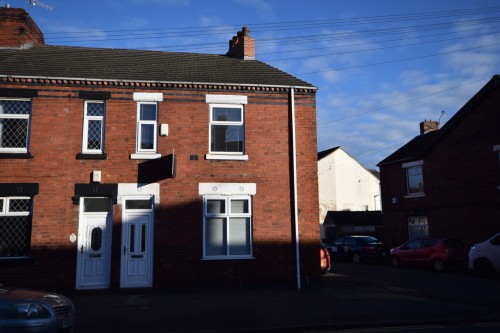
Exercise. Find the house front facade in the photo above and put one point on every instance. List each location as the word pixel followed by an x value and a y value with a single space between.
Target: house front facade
pixel 446 181
pixel 139 169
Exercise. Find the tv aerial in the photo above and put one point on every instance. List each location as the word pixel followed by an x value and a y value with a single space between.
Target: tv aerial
pixel 40 4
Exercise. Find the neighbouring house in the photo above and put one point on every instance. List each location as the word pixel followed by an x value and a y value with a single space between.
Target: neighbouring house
pixel 446 181
pixel 134 169
pixel 344 185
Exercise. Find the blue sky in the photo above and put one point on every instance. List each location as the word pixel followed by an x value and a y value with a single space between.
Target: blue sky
pixel 381 66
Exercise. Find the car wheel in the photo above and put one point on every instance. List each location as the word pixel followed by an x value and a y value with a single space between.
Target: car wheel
pixel 483 267
pixel 395 262
pixel 356 258
pixel 438 265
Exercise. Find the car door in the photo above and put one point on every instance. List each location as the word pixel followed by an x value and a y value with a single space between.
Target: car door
pixel 427 251
pixel 337 248
pixel 409 252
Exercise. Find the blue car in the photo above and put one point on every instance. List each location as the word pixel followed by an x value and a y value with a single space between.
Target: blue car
pixel 34 311
pixel 358 248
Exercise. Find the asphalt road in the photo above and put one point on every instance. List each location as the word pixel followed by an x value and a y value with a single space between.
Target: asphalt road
pixel 457 287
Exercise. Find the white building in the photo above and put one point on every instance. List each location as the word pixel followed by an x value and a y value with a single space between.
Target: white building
pixel 345 185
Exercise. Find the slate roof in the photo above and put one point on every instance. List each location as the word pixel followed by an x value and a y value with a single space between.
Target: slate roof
pixel 327 152
pixel 418 146
pixel 47 61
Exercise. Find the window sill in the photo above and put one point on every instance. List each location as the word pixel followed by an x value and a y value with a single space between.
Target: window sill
pixel 226 157
pixel 16 155
pixel 143 156
pixel 83 156
pixel 414 195
pixel 228 258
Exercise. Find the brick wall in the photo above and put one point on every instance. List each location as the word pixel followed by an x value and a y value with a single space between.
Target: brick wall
pixel 461 180
pixel 56 132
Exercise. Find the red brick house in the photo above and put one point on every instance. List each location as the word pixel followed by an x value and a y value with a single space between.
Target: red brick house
pixel 137 169
pixel 446 181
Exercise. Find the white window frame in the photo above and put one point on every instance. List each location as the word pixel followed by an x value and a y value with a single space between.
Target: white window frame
pixel 86 120
pixel 147 98
pixel 226 216
pixel 419 222
pixel 223 191
pixel 407 167
pixel 18 116
pixel 226 101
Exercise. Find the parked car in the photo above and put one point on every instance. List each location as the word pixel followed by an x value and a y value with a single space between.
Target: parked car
pixel 358 248
pixel 438 253
pixel 484 258
pixel 34 311
pixel 325 260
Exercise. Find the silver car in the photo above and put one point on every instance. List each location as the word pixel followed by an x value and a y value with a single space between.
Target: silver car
pixel 35 311
pixel 484 258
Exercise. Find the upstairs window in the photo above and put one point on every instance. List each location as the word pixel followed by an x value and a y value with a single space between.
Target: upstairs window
pixel 414 178
pixel 15 117
pixel 15 227
pixel 226 129
pixel 226 138
pixel 147 124
pixel 93 127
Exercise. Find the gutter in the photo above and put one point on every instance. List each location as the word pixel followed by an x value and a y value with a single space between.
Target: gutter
pixel 159 82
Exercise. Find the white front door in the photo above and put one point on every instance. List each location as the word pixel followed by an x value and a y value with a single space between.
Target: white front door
pixel 94 243
pixel 137 243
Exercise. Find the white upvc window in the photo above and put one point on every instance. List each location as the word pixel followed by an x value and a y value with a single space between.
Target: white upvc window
pixel 93 127
pixel 15 116
pixel 414 178
pixel 147 127
pixel 227 227
pixel 226 127
pixel 15 226
pixel 417 226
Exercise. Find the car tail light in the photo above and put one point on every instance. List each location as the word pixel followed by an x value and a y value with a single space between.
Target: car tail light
pixel 369 248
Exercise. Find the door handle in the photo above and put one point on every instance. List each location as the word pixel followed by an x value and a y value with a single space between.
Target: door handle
pixel 81 250
pixel 124 250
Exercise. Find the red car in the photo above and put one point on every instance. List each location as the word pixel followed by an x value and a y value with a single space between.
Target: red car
pixel 437 253
pixel 325 261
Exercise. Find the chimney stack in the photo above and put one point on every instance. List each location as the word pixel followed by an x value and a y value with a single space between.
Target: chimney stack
pixel 17 29
pixel 428 126
pixel 242 46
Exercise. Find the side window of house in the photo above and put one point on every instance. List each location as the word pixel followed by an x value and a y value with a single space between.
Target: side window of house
pixel 227 227
pixel 415 179
pixel 15 119
pixel 93 127
pixel 147 124
pixel 417 226
pixel 15 227
pixel 227 135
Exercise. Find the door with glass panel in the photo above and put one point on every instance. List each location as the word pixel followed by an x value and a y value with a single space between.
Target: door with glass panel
pixel 94 243
pixel 137 243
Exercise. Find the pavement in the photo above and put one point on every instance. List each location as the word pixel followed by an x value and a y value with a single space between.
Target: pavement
pixel 332 304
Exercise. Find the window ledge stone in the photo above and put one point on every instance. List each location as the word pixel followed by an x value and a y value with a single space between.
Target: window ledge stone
pixel 226 157
pixel 141 156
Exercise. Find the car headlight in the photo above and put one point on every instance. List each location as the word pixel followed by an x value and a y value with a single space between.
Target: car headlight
pixel 31 311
